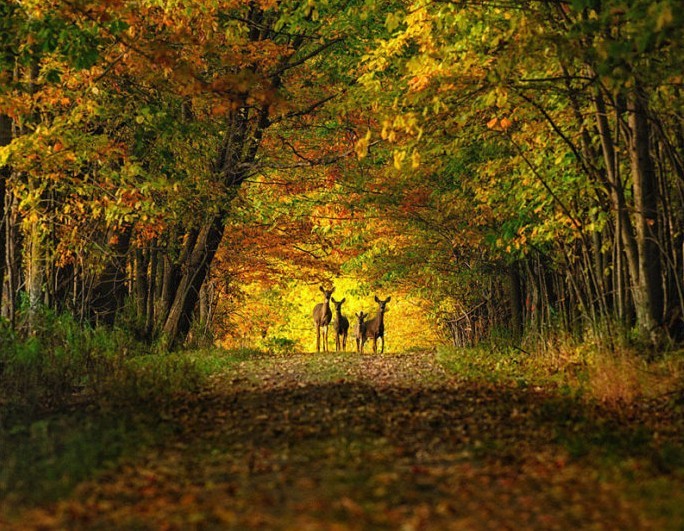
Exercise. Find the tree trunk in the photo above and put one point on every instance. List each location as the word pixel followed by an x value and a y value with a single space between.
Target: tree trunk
pixel 109 292
pixel 5 139
pixel 13 273
pixel 516 301
pixel 623 222
pixel 194 271
pixel 140 283
pixel 35 272
pixel 648 288
pixel 151 290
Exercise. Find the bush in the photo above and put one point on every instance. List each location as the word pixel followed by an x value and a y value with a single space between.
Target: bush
pixel 64 361
pixel 69 403
pixel 279 345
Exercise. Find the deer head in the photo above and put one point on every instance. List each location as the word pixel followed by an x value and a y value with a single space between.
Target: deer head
pixel 382 304
pixel 326 293
pixel 338 304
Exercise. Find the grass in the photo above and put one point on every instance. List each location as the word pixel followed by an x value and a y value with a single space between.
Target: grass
pixel 490 364
pixel 614 410
pixel 611 377
pixel 74 400
pixel 44 459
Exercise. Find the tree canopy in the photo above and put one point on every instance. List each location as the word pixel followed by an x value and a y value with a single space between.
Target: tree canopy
pixel 181 167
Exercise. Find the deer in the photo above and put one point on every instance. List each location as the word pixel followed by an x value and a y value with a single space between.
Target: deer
pixel 340 326
pixel 359 330
pixel 375 328
pixel 322 316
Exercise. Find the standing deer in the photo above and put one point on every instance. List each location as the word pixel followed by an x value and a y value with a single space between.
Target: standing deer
pixel 375 328
pixel 322 317
pixel 340 326
pixel 359 330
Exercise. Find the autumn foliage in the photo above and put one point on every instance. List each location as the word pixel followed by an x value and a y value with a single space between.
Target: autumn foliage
pixel 178 180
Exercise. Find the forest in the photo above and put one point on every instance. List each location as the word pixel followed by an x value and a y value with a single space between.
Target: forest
pixel 183 181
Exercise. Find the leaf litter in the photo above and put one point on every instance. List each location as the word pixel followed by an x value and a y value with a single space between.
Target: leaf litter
pixel 343 441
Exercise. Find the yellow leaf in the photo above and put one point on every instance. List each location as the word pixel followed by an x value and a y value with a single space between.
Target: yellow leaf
pixel 399 157
pixel 362 145
pixel 415 159
pixel 665 18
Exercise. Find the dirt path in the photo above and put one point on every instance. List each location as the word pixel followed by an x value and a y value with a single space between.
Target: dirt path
pixel 325 441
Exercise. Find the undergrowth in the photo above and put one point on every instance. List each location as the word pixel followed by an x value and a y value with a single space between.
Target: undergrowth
pixel 619 408
pixel 612 376
pixel 75 399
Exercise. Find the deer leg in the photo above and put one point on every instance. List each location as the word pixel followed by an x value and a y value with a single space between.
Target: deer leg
pixel 382 349
pixel 318 338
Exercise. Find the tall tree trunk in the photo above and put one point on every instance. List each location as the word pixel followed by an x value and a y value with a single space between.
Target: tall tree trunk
pixel 140 288
pixel 648 288
pixel 171 273
pixel 623 223
pixel 151 290
pixel 194 271
pixel 13 271
pixel 35 272
pixel 516 301
pixel 237 152
pixel 5 139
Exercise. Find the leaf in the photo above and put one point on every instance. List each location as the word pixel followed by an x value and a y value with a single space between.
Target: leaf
pixel 362 145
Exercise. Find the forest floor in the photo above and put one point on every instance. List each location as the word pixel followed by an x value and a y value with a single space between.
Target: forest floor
pixel 343 441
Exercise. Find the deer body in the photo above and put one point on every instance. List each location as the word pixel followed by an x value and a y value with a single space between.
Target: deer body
pixel 375 328
pixel 322 316
pixel 340 326
pixel 359 330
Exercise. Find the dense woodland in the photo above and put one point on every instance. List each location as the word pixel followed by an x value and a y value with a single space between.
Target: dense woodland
pixel 515 168
pixel 182 180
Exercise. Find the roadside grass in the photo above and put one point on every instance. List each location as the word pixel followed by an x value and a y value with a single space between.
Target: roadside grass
pixel 612 409
pixel 75 400
pixel 611 377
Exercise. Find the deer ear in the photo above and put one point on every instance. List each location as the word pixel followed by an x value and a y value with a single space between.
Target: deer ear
pixel 376 299
pixel 344 299
pixel 321 288
pixel 333 299
pixel 333 289
pixel 388 299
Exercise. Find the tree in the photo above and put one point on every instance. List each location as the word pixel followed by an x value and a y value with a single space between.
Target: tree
pixel 527 87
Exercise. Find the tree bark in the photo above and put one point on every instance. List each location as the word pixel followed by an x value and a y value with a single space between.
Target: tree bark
pixel 109 292
pixel 140 283
pixel 648 289
pixel 516 302
pixel 5 139
pixel 35 272
pixel 194 272
pixel 13 273
pixel 151 290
